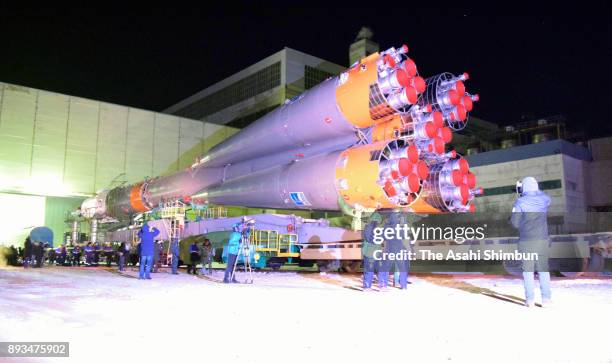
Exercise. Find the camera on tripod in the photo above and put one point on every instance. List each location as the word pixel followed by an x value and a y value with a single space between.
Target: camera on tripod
pixel 244 227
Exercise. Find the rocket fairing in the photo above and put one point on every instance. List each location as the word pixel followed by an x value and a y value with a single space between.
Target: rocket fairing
pixel 373 137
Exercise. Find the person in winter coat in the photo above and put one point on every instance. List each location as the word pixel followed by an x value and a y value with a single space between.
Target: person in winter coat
pixel 108 254
pixel 147 235
pixel 50 254
pixel 27 253
pixel 368 250
pixel 122 252
pixel 39 252
pixel 393 245
pixel 96 253
pixel 89 254
pixel 156 256
pixel 60 253
pixel 233 247
pixel 76 255
pixel 529 217
pixel 194 256
pixel 13 256
pixel 207 252
pixel 134 254
pixel 174 250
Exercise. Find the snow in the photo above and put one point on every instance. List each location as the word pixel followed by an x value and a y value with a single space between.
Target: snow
pixel 299 317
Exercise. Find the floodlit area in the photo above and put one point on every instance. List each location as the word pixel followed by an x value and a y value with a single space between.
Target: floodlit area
pixel 296 316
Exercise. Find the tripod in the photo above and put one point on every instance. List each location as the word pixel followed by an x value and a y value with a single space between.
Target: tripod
pixel 244 250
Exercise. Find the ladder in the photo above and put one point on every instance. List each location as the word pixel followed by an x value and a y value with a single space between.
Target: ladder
pixel 173 217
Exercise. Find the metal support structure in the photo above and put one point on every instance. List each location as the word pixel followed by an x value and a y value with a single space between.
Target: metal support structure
pixel 215 212
pixel 94 231
pixel 173 217
pixel 75 232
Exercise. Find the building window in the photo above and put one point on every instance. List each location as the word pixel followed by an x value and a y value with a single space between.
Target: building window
pixel 244 121
pixel 511 189
pixel 313 76
pixel 248 87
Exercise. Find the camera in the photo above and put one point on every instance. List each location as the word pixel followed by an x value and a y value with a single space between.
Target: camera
pixel 519 188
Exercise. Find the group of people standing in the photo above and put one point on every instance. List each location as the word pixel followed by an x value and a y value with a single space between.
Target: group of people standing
pixel 150 254
pixel 529 217
pixel 204 254
pixel 36 254
pixel 147 254
pixel 33 253
pixel 371 252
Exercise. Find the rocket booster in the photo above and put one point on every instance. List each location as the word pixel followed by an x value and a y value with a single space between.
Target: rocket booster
pixel 373 137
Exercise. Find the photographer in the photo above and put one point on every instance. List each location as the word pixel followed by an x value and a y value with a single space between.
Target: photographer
pixel 529 217
pixel 207 252
pixel 233 247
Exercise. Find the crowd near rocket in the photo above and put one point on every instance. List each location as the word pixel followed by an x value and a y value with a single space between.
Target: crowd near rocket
pixel 373 137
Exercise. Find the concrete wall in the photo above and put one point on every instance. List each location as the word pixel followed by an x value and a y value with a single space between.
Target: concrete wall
pixel 506 174
pixel 601 149
pixel 599 173
pixel 575 187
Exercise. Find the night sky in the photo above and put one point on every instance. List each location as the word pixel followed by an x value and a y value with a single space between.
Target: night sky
pixel 521 66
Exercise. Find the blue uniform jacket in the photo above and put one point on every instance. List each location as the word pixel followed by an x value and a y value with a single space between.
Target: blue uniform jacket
pixel 147 240
pixel 368 247
pixel 234 243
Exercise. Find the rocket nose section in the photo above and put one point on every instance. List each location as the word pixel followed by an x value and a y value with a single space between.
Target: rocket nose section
pixel 88 207
pixel 94 207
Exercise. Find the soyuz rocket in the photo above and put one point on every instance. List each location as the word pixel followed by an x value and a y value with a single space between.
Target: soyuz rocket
pixel 373 137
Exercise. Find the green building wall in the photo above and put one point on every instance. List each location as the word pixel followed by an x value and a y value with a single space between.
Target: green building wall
pixel 66 148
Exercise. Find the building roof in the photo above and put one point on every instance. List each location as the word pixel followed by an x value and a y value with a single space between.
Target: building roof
pixel 280 56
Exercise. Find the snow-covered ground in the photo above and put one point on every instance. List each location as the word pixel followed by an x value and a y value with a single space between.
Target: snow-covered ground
pixel 299 317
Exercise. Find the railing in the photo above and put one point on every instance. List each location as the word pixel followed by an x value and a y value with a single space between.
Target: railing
pixel 281 245
pixel 172 209
pixel 215 212
pixel 265 240
pixel 286 242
